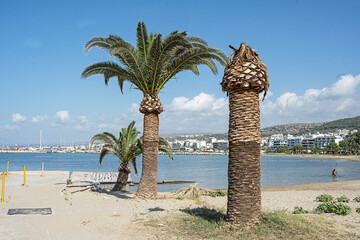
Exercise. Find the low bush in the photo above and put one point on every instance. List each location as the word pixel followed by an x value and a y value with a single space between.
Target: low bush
pixel 358 210
pixel 218 193
pixel 300 210
pixel 68 182
pixel 324 198
pixel 343 199
pixel 332 207
pixel 357 199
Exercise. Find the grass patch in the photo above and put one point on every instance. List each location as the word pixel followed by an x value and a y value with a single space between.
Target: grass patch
pixel 205 223
pixel 218 193
pixel 300 210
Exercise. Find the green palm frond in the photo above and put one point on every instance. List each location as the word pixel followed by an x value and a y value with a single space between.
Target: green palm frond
pixel 155 60
pixel 142 41
pixel 164 146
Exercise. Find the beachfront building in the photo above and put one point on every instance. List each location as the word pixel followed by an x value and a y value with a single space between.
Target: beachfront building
pixel 308 141
pixel 221 144
pixel 291 141
pixel 324 140
pixel 278 143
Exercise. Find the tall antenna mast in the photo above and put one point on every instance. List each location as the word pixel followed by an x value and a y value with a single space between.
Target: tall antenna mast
pixel 40 139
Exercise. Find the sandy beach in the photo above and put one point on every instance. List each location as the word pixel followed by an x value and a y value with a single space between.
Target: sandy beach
pixel 79 213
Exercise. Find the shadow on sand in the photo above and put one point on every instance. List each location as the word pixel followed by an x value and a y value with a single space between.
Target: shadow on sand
pixel 207 214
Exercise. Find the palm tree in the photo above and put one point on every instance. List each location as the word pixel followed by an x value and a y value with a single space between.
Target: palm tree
pixel 149 66
pixel 126 148
pixel 244 78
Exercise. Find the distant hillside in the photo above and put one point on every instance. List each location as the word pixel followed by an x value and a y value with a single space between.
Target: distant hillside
pixel 347 123
pixel 292 128
pixel 302 128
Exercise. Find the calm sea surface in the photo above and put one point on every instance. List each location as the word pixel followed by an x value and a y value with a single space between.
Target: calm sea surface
pixel 210 171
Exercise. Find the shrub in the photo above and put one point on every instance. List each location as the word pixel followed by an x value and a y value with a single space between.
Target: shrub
pixel 324 198
pixel 300 210
pixel 358 210
pixel 332 207
pixel 357 199
pixel 68 182
pixel 218 193
pixel 343 199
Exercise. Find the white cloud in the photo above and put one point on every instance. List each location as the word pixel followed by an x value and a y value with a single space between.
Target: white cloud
pixel 10 127
pixel 17 117
pixel 202 103
pixel 83 119
pixel 334 102
pixel 39 118
pixel 202 114
pixel 63 115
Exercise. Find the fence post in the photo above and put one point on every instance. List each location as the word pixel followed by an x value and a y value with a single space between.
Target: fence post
pixel 24 175
pixel 3 188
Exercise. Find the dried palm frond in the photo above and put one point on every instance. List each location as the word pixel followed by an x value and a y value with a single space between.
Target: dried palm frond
pixel 246 71
pixel 191 191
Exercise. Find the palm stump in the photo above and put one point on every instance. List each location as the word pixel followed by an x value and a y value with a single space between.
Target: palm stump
pixel 244 78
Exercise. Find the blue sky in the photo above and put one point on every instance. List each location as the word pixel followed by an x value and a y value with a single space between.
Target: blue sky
pixel 310 47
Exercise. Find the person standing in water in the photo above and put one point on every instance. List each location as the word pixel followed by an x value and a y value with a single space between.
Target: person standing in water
pixel 334 173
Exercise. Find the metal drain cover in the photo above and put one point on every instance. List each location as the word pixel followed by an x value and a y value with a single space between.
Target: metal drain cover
pixel 27 211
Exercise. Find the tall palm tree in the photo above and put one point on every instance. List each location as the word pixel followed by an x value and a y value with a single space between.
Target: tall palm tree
pixel 244 78
pixel 149 66
pixel 126 148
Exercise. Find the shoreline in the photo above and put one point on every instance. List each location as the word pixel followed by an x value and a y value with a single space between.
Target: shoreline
pixel 355 158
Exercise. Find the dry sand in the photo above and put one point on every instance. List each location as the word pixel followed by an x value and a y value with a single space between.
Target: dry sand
pixel 78 213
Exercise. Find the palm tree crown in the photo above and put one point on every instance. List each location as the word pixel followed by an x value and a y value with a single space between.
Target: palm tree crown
pixel 154 61
pixel 125 148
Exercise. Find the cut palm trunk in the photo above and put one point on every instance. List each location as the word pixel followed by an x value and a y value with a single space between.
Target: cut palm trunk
pixel 245 77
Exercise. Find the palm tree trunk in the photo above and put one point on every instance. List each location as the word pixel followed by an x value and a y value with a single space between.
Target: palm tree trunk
pixel 148 181
pixel 244 172
pixel 124 171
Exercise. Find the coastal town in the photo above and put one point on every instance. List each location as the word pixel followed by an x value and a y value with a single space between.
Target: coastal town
pixel 217 144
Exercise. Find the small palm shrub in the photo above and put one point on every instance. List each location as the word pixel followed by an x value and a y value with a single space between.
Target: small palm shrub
pixel 343 199
pixel 357 199
pixel 300 210
pixel 332 207
pixel 324 198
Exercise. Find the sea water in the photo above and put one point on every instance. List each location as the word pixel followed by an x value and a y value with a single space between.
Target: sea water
pixel 209 171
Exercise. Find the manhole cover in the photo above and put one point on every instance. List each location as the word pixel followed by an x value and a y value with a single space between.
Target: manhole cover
pixel 27 211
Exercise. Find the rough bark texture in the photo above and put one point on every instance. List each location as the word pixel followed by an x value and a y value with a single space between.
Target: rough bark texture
pixel 244 172
pixel 244 78
pixel 124 171
pixel 148 181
